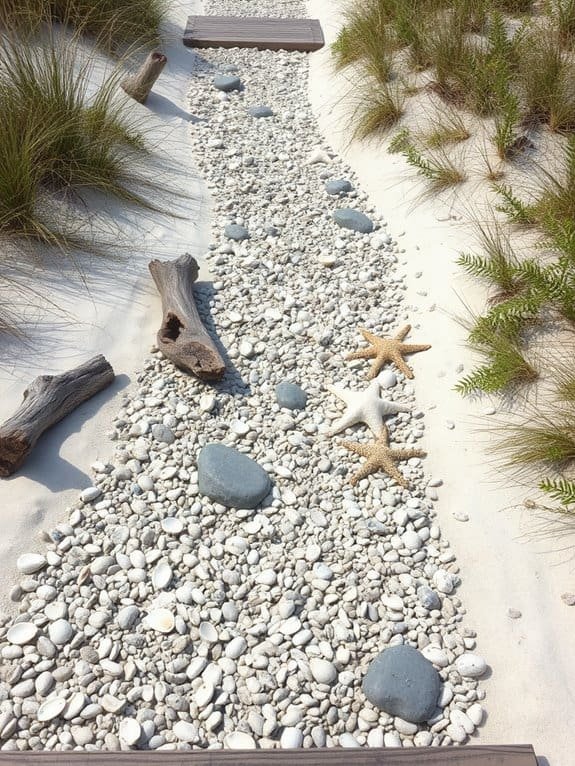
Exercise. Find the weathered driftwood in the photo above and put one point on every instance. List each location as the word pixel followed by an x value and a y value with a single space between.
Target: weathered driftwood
pixel 139 85
pixel 182 338
pixel 47 400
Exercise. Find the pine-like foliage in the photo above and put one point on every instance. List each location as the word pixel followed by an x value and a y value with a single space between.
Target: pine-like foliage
pixel 562 490
pixel 515 209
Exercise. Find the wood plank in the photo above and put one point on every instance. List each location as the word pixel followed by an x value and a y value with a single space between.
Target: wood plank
pixel 486 755
pixel 253 32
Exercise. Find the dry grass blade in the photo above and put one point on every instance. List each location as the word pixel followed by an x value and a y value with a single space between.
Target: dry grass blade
pixel 378 109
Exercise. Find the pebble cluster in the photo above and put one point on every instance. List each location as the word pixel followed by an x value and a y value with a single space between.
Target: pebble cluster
pixel 159 618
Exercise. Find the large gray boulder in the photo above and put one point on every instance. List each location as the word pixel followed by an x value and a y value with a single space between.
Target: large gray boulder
pixel 401 682
pixel 231 478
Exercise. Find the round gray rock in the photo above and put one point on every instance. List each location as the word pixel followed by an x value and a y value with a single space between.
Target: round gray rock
pixel 236 232
pixel 231 478
pixel 260 111
pixel 348 218
pixel 291 396
pixel 338 186
pixel 403 683
pixel 428 598
pixel 227 82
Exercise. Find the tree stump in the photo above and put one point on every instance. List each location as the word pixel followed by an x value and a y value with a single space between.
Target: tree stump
pixel 47 400
pixel 139 85
pixel 182 338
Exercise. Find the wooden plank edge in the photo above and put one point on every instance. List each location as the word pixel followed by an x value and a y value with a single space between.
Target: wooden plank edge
pixel 307 47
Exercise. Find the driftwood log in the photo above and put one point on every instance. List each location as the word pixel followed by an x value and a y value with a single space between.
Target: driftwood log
pixel 47 400
pixel 139 85
pixel 182 338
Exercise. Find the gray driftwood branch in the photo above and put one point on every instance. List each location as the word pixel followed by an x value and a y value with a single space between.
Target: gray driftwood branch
pixel 182 338
pixel 47 400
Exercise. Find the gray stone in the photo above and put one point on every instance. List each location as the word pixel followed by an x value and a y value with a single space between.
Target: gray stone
pixel 229 68
pixel 338 186
pixel 428 598
pixel 227 82
pixel 260 111
pixel 228 477
pixel 291 396
pixel 348 218
pixel 236 232
pixel 403 683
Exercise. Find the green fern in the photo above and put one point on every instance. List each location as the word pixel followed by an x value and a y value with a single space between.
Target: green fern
pixel 562 490
pixel 515 209
pixel 498 266
pixel 399 141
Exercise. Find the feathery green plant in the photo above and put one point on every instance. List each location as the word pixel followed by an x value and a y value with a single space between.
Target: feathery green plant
pixel 562 13
pixel 561 490
pixel 505 367
pixel 546 439
pixel 498 265
pixel 516 210
pixel 438 169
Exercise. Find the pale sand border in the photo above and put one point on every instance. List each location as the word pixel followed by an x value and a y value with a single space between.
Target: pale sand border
pixel 119 318
pixel 531 693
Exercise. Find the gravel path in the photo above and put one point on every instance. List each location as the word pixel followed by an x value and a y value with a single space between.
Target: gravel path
pixel 161 619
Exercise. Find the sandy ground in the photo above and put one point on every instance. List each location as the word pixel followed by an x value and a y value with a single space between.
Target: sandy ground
pixel 117 314
pixel 508 559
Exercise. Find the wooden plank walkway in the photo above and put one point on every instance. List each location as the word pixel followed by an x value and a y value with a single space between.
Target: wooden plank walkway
pixel 487 755
pixel 253 32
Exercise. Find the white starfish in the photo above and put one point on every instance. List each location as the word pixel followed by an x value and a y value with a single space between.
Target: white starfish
pixel 364 407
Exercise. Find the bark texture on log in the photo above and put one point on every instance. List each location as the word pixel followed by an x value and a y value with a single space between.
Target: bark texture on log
pixel 47 400
pixel 139 85
pixel 182 338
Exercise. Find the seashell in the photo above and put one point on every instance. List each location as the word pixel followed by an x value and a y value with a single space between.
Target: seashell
pixel 22 633
pixel 239 740
pixel 161 620
pixel 51 709
pixel 130 731
pixel 208 632
pixel 172 526
pixel 161 575
pixel 28 563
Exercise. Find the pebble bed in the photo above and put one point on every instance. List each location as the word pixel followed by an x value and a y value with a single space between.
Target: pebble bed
pixel 158 619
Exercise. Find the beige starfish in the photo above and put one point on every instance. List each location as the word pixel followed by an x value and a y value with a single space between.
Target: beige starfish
pixel 381 457
pixel 384 350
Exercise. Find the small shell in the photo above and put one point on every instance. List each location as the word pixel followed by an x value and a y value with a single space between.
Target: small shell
pixel 172 526
pixel 161 575
pixel 51 709
pixel 22 633
pixel 208 632
pixel 161 620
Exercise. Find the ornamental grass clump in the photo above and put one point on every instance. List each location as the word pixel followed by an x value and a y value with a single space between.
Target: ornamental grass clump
pixel 114 24
pixel 59 142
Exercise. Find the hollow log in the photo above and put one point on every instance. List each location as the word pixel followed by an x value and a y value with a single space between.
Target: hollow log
pixel 139 85
pixel 182 338
pixel 47 400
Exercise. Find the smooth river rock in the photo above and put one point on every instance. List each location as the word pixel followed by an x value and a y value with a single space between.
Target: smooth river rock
pixel 226 82
pixel 236 232
pixel 348 218
pixel 260 111
pixel 228 477
pixel 338 186
pixel 291 396
pixel 403 683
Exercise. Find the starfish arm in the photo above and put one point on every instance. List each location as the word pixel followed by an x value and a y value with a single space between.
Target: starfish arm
pixel 401 365
pixel 369 467
pixel 391 408
pixel 405 454
pixel 414 348
pixel 403 332
pixel 363 353
pixel 360 449
pixel 378 363
pixel 348 419
pixel 374 420
pixel 335 390
pixel 391 469
pixel 369 336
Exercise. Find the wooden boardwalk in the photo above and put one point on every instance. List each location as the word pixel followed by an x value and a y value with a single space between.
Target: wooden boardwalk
pixel 253 32
pixel 505 755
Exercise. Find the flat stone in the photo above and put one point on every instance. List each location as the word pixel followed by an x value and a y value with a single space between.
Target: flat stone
pixel 28 563
pixel 470 665
pixel 428 598
pixel 22 633
pixel 239 740
pixel 130 731
pixel 323 671
pixel 236 232
pixel 231 478
pixel 291 396
pixel 185 732
pixel 403 683
pixel 338 186
pixel 60 632
pixel 291 738
pixel 260 111
pixel 348 218
pixel 226 82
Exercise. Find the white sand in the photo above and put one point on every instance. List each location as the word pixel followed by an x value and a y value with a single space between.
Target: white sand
pixel 118 317
pixel 531 693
